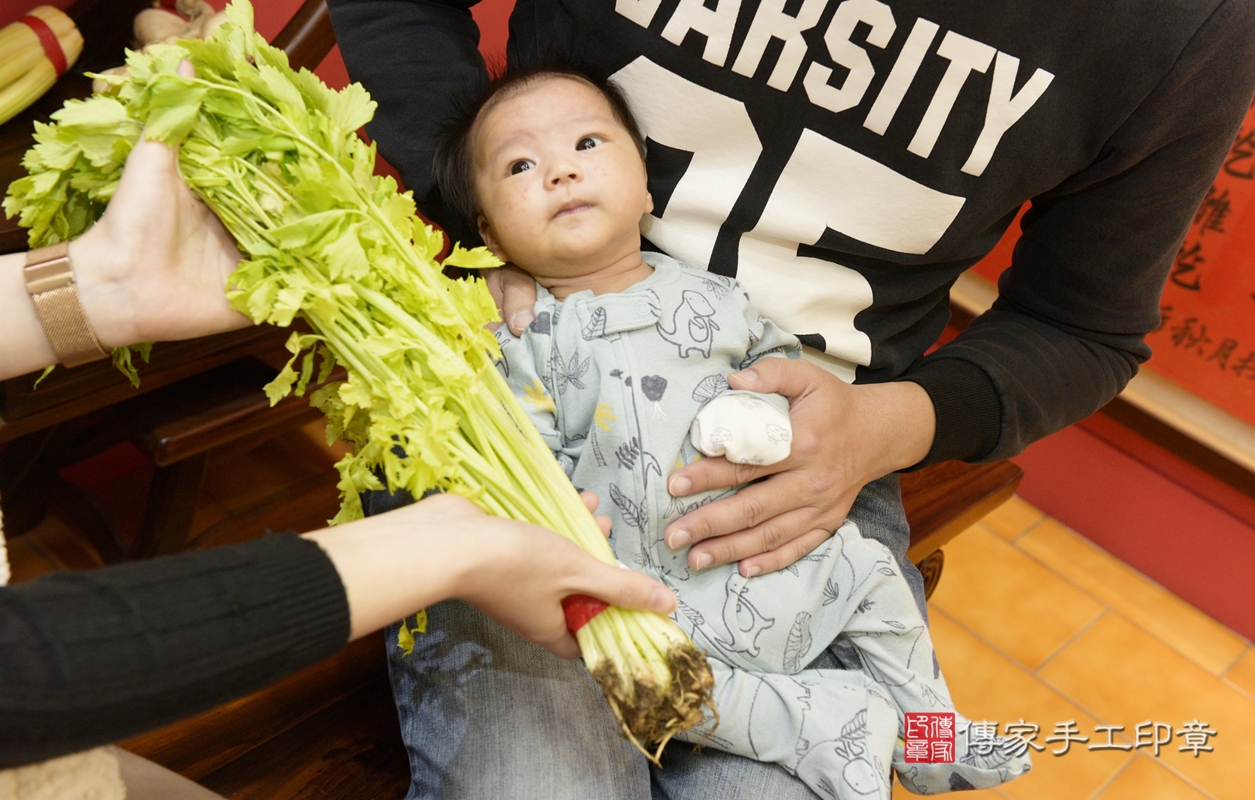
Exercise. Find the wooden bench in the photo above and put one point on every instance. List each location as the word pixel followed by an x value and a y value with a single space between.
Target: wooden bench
pixel 178 430
pixel 175 427
pixel 946 499
pixel 332 731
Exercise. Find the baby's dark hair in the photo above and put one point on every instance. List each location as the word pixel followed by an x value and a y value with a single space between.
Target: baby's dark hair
pixel 454 163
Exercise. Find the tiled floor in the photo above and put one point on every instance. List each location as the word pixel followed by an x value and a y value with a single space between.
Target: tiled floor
pixel 1032 624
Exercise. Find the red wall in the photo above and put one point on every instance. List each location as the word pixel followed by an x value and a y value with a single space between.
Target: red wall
pixel 1180 527
pixel 15 9
pixel 493 17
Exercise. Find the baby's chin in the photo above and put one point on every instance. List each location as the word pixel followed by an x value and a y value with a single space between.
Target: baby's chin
pixel 576 259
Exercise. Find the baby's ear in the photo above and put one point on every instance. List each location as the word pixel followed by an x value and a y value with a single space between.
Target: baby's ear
pixel 485 233
pixel 649 203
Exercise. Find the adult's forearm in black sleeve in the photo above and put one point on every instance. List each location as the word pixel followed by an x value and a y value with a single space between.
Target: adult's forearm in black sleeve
pixel 93 657
pixel 1083 288
pixel 413 56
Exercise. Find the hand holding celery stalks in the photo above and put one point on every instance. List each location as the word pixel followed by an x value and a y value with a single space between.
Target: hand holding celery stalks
pixel 274 154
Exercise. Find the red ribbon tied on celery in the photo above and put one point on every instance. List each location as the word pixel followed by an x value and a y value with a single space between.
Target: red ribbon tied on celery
pixel 580 609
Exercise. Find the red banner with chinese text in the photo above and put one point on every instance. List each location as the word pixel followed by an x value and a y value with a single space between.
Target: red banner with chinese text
pixel 1206 343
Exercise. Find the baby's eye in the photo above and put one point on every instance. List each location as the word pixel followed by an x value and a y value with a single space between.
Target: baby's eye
pixel 588 143
pixel 522 165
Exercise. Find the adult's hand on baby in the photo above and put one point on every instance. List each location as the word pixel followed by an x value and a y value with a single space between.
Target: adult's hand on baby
pixel 844 436
pixel 742 428
pixel 515 293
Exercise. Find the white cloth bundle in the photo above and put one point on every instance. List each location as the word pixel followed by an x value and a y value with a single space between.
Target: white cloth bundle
pixel 744 428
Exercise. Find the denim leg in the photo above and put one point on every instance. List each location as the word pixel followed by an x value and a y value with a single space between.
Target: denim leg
pixel 879 515
pixel 486 715
pixel 691 774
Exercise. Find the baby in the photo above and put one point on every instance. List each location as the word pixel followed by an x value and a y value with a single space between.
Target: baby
pixel 624 371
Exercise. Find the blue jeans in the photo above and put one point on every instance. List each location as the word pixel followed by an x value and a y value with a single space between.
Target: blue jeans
pixel 486 715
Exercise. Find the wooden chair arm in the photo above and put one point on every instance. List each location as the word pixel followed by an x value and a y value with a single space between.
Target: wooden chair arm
pixel 945 499
pixel 308 37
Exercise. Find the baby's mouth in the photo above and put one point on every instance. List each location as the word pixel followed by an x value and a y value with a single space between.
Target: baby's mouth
pixel 571 207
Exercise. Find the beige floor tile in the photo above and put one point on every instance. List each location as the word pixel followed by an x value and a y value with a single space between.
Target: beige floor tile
pixel 1008 599
pixel 1013 517
pixel 208 513
pixel 1242 673
pixel 1178 624
pixel 1147 779
pixel 986 685
pixel 1126 676
pixel 59 540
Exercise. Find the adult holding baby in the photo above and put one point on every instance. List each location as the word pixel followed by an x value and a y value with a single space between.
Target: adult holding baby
pixel 98 656
pixel 845 163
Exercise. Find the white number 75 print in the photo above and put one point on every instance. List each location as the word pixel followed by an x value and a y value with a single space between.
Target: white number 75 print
pixel 824 185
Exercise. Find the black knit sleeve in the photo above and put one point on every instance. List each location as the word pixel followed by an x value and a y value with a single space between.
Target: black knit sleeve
pixel 92 657
pixel 1067 331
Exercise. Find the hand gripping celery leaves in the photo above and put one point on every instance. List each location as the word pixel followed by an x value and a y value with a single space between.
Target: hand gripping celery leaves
pixel 274 153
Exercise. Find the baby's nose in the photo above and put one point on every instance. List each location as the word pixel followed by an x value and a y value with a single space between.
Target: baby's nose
pixel 563 172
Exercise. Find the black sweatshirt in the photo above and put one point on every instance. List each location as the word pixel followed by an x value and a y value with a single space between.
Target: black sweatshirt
pixel 88 658
pixel 846 161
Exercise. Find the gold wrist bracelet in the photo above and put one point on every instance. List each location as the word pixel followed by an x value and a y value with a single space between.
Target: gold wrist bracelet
pixel 50 283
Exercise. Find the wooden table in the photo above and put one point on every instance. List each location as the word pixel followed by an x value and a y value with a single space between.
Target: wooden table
pixel 70 393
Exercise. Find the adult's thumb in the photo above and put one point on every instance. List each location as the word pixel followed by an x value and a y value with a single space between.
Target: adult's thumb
pixel 784 376
pixel 518 290
pixel 629 589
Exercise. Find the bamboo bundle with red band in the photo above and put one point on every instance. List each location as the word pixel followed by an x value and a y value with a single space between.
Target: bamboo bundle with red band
pixel 38 49
pixel 48 39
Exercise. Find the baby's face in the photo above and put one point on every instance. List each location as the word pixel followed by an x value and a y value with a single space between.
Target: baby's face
pixel 560 181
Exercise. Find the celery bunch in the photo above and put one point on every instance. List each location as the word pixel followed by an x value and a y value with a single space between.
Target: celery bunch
pixel 274 154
